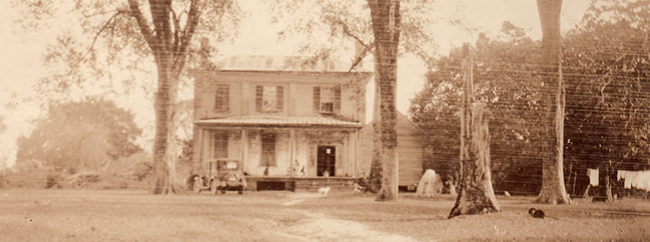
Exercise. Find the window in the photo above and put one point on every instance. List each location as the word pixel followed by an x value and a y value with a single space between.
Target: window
pixel 269 99
pixel 220 145
pixel 327 99
pixel 222 98
pixel 268 149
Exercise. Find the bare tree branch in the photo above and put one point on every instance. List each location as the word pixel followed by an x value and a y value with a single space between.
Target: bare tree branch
pixel 177 30
pixel 95 14
pixel 75 66
pixel 142 25
pixel 359 58
pixel 161 23
pixel 366 47
pixel 192 21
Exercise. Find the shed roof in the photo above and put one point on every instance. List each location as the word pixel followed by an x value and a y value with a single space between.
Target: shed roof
pixel 280 121
pixel 285 63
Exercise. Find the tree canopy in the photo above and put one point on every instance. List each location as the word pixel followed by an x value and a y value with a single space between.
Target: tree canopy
pixel 331 26
pixel 608 87
pixel 120 43
pixel 80 136
pixel 103 50
pixel 505 79
pixel 606 125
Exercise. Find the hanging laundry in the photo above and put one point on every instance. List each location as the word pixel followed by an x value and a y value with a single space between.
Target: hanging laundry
pixel 636 178
pixel 642 180
pixel 620 174
pixel 593 176
pixel 629 176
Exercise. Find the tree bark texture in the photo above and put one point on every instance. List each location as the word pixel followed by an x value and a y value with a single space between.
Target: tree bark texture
pixel 386 29
pixel 169 43
pixel 476 194
pixel 553 190
pixel 376 169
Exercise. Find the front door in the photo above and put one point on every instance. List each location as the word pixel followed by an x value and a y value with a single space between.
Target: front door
pixel 326 161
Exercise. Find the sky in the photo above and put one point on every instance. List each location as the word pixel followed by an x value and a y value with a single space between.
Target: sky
pixel 22 55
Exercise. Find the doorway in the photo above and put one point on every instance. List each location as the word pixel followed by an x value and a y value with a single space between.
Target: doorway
pixel 326 161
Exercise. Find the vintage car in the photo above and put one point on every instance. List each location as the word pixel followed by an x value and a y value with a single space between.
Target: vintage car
pixel 226 175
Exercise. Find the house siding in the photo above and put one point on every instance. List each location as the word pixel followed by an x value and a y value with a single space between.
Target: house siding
pixel 410 150
pixel 300 126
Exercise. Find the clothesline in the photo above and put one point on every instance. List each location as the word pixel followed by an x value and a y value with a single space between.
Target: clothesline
pixel 637 179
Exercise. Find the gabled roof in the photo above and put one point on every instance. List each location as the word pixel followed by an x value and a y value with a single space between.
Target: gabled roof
pixel 279 121
pixel 285 63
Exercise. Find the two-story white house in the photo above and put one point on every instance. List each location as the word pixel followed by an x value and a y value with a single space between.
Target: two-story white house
pixel 294 122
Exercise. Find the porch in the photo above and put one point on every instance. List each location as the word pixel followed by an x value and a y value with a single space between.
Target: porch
pixel 300 184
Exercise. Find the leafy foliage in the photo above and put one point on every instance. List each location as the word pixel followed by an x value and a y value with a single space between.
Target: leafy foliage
pixel 105 52
pixel 505 79
pixel 81 136
pixel 134 36
pixel 330 26
pixel 3 126
pixel 605 63
pixel 607 92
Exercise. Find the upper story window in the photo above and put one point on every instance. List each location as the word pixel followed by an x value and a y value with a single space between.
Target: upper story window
pixel 222 98
pixel 269 99
pixel 327 99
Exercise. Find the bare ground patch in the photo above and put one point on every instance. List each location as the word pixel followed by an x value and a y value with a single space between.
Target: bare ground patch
pixel 84 215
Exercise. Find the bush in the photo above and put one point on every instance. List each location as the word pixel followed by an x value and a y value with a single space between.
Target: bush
pixel 3 181
pixel 54 180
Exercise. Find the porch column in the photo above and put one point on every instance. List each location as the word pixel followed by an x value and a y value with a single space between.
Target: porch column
pixel 357 152
pixel 197 159
pixel 202 149
pixel 244 147
pixel 353 152
pixel 292 147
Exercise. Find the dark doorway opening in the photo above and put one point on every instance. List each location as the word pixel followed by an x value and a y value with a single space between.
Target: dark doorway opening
pixel 326 161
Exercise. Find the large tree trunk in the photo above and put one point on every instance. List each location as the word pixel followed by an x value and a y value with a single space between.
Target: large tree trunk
pixel 169 43
pixel 386 29
pixel 376 167
pixel 166 146
pixel 476 194
pixel 161 107
pixel 553 190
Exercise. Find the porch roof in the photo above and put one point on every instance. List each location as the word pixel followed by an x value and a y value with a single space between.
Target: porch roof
pixel 282 121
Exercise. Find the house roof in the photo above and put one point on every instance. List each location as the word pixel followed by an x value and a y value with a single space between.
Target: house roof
pixel 285 63
pixel 280 121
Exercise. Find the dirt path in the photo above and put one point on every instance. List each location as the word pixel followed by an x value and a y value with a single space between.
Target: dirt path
pixel 317 227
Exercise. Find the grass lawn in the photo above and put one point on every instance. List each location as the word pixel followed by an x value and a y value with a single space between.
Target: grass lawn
pixel 132 215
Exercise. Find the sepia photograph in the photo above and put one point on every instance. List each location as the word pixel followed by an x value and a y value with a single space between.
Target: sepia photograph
pixel 325 120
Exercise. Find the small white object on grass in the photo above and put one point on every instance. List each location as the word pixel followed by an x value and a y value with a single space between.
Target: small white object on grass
pixel 323 190
pixel 506 193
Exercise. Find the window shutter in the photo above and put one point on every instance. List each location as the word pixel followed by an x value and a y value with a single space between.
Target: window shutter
pixel 316 99
pixel 279 99
pixel 222 99
pixel 226 98
pixel 337 99
pixel 259 92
